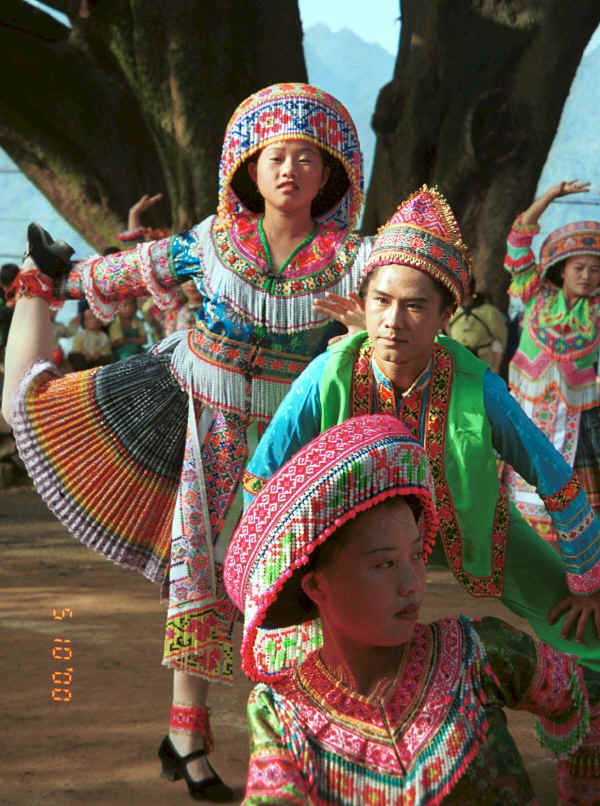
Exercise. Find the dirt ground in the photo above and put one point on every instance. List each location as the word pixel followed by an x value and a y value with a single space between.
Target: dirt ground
pixel 99 747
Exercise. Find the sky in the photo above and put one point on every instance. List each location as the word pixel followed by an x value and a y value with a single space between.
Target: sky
pixel 374 21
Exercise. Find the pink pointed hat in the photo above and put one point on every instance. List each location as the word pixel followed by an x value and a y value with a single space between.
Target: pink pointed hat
pixel 342 472
pixel 423 233
pixel 300 112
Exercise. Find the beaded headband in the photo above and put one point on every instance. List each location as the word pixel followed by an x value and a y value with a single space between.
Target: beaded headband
pixel 293 111
pixel 345 470
pixel 423 233
pixel 578 238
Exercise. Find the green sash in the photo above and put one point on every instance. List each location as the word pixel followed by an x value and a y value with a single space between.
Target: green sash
pixel 473 513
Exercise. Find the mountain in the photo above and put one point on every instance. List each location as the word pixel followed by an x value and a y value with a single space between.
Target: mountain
pixel 354 71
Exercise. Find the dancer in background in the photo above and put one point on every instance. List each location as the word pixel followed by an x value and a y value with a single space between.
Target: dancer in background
pixel 358 702
pixel 157 443
pixel 553 372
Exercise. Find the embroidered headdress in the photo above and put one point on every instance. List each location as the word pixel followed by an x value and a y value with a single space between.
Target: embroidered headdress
pixel 423 234
pixel 578 238
pixel 342 472
pixel 293 111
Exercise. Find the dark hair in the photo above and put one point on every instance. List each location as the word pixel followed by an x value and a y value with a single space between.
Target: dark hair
pixel 8 273
pixel 335 188
pixel 446 296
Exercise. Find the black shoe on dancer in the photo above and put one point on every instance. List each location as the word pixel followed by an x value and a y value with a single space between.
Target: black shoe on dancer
pixel 52 257
pixel 174 767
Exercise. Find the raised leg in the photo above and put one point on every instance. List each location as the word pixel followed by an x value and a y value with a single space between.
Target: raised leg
pixel 29 339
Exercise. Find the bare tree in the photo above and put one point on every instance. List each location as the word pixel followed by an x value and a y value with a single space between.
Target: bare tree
pixel 474 104
pixel 134 98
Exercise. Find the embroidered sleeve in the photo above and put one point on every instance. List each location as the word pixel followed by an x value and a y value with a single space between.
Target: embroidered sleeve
pixel 139 272
pixel 530 676
pixel 296 422
pixel 578 532
pixel 152 268
pixel 523 446
pixel 273 774
pixel 520 262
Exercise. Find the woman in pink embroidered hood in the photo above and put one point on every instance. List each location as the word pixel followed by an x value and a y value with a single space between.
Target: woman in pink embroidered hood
pixel 358 702
pixel 172 428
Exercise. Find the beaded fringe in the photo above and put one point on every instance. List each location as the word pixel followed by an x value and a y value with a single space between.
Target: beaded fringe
pixel 214 385
pixel 576 392
pixel 282 309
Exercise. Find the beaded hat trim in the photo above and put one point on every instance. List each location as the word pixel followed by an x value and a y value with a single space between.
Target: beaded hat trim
pixel 424 234
pixel 577 238
pixel 293 111
pixel 345 470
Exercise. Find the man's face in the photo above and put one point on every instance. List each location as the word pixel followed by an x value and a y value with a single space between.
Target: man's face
pixel 403 311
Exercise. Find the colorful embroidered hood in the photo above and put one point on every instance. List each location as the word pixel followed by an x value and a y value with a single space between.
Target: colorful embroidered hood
pixel 577 238
pixel 345 470
pixel 423 233
pixel 293 111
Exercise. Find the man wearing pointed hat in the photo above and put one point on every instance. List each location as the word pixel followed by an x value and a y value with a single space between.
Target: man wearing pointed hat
pixel 463 415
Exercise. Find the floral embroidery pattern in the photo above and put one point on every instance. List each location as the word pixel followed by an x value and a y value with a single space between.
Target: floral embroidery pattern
pixel 245 257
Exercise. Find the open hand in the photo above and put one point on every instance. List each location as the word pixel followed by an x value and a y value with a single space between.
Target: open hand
pixel 136 210
pixel 350 310
pixel 578 609
pixel 567 188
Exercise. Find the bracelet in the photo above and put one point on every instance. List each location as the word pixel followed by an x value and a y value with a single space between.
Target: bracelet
pixel 32 283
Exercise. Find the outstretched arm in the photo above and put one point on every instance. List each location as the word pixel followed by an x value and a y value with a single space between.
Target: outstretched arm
pixel 153 269
pixel 519 260
pixel 530 216
pixel 523 446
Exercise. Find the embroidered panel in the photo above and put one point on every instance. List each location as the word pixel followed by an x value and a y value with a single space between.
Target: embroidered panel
pixel 302 276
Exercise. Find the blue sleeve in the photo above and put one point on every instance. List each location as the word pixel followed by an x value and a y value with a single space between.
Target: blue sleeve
pixel 296 422
pixel 520 442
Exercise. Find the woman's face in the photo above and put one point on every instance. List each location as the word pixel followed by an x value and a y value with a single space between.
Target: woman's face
pixel 371 589
pixel 288 175
pixel 581 276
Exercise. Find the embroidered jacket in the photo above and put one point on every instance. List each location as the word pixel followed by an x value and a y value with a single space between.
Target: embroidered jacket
pixel 434 735
pixel 357 386
pixel 256 329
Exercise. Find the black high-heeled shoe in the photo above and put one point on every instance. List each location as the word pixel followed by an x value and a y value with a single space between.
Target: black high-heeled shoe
pixel 52 257
pixel 174 767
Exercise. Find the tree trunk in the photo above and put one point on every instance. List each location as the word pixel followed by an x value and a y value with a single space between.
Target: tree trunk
pixel 135 98
pixel 473 107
